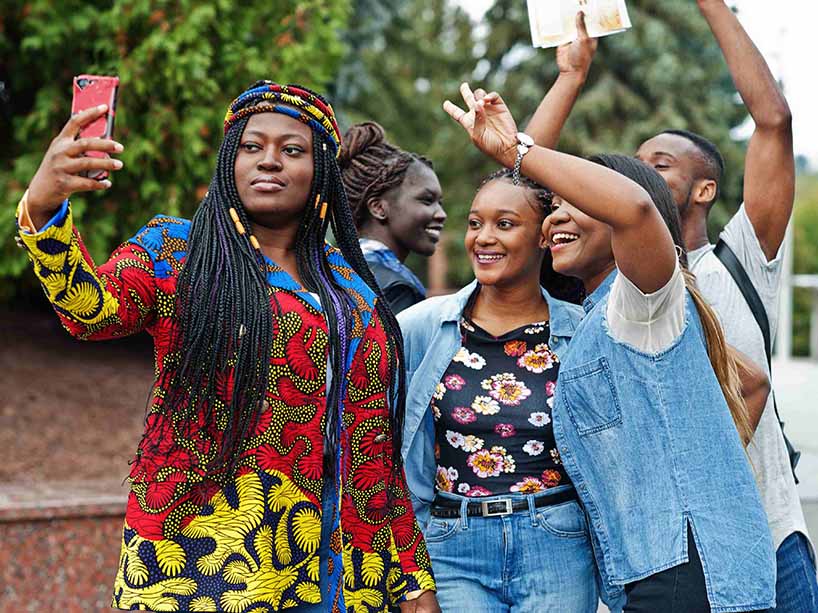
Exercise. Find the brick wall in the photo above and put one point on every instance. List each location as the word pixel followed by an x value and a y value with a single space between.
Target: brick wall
pixel 58 553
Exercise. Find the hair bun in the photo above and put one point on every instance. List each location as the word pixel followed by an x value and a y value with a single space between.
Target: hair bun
pixel 358 139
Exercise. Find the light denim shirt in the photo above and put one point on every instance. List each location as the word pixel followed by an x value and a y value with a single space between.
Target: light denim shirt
pixel 650 445
pixel 431 337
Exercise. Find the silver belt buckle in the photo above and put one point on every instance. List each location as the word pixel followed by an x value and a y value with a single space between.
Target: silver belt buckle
pixel 489 507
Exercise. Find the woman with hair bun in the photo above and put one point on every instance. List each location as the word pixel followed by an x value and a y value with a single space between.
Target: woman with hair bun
pixel 396 201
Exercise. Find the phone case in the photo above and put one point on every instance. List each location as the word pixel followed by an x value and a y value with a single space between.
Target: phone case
pixel 90 91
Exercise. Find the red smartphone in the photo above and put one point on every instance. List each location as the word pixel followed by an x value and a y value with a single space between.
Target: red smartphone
pixel 89 91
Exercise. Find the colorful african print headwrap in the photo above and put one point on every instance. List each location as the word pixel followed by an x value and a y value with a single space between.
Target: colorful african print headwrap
pixel 301 104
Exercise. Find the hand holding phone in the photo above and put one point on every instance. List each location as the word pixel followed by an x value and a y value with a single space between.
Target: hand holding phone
pixel 91 91
pixel 66 165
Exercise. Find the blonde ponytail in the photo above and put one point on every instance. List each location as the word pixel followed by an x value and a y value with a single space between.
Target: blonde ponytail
pixel 722 359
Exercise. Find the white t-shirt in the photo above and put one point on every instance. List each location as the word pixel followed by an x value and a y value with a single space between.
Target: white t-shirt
pixel 767 451
pixel 648 322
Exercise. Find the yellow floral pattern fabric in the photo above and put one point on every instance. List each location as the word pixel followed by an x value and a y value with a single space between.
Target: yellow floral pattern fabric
pixel 250 546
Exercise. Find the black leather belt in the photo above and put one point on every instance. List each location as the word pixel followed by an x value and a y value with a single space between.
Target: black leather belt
pixel 445 507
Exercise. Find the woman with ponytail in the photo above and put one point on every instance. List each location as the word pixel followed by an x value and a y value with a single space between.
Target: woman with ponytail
pixel 269 476
pixel 397 205
pixel 648 416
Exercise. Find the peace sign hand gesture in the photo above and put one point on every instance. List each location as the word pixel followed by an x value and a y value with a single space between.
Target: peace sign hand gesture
pixel 488 122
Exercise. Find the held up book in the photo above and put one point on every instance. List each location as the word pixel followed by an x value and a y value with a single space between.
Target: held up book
pixel 553 22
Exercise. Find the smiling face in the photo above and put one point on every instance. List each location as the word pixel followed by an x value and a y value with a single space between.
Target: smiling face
pixel 675 158
pixel 580 245
pixel 274 169
pixel 504 239
pixel 414 211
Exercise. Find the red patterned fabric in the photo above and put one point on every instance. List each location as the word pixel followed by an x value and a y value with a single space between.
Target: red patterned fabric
pixel 192 544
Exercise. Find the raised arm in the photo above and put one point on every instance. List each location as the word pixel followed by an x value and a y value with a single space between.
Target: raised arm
pixel 769 168
pixel 574 61
pixel 95 303
pixel 60 172
pixel 642 245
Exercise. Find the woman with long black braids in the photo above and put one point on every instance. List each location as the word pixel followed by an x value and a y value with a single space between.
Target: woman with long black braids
pixel 269 475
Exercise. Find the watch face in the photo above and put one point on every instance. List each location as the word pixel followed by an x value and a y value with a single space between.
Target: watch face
pixel 525 139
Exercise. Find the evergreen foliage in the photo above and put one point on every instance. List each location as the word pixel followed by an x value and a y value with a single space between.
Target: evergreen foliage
pixel 805 258
pixel 666 72
pixel 180 64
pixel 418 59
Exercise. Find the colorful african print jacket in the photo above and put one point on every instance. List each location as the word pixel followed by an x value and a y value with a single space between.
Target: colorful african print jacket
pixel 250 546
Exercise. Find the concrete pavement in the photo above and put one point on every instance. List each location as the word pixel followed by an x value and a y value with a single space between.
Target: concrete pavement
pixel 796 385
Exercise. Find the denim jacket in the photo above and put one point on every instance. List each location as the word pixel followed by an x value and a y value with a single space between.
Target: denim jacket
pixel 650 445
pixel 431 337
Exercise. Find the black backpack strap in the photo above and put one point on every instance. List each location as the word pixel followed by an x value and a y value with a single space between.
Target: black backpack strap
pixel 751 297
pixel 736 270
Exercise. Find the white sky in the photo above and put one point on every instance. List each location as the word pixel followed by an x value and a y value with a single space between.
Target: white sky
pixel 786 32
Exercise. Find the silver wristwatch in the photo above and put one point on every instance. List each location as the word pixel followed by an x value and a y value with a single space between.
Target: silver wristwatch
pixel 524 143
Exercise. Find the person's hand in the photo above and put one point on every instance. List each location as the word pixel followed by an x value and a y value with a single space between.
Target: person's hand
pixel 425 603
pixel 59 173
pixel 576 57
pixel 488 123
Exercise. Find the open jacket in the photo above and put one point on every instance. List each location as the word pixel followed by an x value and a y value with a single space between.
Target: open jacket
pixel 191 544
pixel 431 337
pixel 650 445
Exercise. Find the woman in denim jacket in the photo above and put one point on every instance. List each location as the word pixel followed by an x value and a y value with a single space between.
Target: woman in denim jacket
pixel 642 416
pixel 481 459
pixel 481 371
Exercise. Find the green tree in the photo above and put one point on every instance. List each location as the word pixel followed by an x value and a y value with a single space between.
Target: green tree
pixel 805 256
pixel 665 72
pixel 180 63
pixel 367 22
pixel 418 58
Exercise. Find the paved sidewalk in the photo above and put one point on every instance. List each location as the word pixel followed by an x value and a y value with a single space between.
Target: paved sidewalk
pixel 796 385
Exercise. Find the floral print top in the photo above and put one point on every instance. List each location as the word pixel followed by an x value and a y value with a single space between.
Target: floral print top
pixel 492 414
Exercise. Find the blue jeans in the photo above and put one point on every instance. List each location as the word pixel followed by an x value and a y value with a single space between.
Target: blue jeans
pixel 536 560
pixel 796 588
